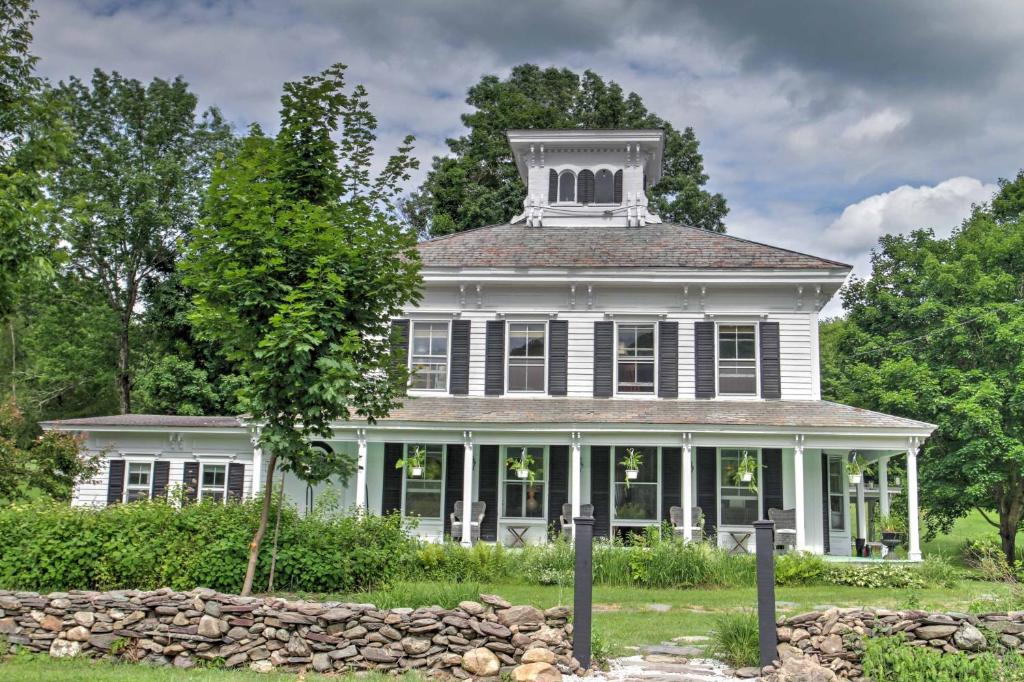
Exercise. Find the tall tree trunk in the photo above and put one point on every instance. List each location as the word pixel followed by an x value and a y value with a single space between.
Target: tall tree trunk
pixel 1009 523
pixel 277 533
pixel 261 529
pixel 124 378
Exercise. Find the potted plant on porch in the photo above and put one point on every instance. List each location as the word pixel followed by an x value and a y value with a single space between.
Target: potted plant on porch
pixel 416 461
pixel 746 472
pixel 522 465
pixel 892 528
pixel 855 468
pixel 632 463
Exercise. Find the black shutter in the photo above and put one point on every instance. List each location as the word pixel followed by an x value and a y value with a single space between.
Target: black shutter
pixel 771 376
pixel 452 482
pixel 585 191
pixel 704 359
pixel 771 476
pixel 115 483
pixel 191 481
pixel 707 489
pixel 494 358
pixel 161 478
pixel 604 358
pixel 458 379
pixel 552 186
pixel 671 480
pixel 558 482
pixel 600 488
pixel 825 525
pixel 558 357
pixel 400 344
pixel 391 495
pixel 618 187
pixel 668 359
pixel 236 481
pixel 488 486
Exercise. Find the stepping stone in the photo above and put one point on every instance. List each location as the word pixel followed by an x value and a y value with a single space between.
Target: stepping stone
pixel 672 650
pixel 659 608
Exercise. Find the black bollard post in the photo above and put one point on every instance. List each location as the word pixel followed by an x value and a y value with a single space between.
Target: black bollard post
pixel 768 636
pixel 583 591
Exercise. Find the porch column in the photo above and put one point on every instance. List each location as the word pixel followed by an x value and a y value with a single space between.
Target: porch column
pixel 862 517
pixel 575 475
pixel 798 487
pixel 361 470
pixel 687 486
pixel 914 551
pixel 467 488
pixel 883 486
pixel 257 464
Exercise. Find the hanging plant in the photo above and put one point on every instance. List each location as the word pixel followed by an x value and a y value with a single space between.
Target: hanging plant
pixel 632 463
pixel 856 466
pixel 746 472
pixel 523 466
pixel 415 461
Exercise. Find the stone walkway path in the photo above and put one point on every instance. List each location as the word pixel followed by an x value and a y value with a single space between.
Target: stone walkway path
pixel 666 663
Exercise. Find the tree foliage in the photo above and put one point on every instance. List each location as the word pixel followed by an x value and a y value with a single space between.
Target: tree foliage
pixel 299 266
pixel 937 334
pixel 478 184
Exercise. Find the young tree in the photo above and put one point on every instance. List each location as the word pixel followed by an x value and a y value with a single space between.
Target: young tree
pixel 478 184
pixel 937 333
pixel 131 189
pixel 299 266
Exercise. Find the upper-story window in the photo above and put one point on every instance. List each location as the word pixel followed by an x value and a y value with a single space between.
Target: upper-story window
pixel 429 356
pixel 138 481
pixel 737 360
pixel 635 358
pixel 526 356
pixel 567 186
pixel 604 187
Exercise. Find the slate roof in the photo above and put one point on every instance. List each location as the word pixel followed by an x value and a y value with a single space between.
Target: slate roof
pixel 475 410
pixel 665 245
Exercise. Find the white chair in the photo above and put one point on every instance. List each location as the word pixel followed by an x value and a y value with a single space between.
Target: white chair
pixel 785 527
pixel 476 518
pixel 675 514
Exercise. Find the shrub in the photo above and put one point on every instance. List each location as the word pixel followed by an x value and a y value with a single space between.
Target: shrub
pixel 799 568
pixel 876 576
pixel 734 639
pixel 936 570
pixel 416 594
pixel 890 659
pixel 146 545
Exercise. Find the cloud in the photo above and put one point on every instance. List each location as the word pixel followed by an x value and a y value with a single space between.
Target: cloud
pixel 876 127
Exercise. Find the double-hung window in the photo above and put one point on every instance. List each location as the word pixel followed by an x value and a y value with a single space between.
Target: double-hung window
pixel 737 360
pixel 739 503
pixel 138 481
pixel 836 496
pixel 213 482
pixel 526 356
pixel 429 356
pixel 637 499
pixel 423 493
pixel 523 498
pixel 636 358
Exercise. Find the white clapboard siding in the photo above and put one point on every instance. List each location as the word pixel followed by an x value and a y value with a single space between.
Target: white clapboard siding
pixel 581 352
pixel 795 355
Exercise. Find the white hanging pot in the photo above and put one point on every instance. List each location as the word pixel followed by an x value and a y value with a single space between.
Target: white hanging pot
pixel 854 479
pixel 631 474
pixel 522 473
pixel 417 472
pixel 747 476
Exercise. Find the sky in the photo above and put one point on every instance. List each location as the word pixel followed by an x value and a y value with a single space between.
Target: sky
pixel 825 124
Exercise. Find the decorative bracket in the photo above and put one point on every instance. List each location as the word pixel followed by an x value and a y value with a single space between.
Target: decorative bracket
pixel 590 297
pixel 703 295
pixel 572 296
pixel 799 297
pixel 462 296
pixel 686 297
pixel 479 295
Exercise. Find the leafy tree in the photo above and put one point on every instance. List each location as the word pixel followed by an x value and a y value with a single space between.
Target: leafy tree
pixel 478 183
pixel 131 189
pixel 937 333
pixel 298 267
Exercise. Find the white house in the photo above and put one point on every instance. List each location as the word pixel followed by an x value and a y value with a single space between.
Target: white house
pixel 583 327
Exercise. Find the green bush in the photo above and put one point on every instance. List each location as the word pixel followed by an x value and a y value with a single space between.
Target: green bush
pixel 889 659
pixel 145 545
pixel 734 639
pixel 936 570
pixel 799 568
pixel 416 594
pixel 876 576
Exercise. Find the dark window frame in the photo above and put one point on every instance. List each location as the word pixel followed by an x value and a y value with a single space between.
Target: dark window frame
pixel 526 360
pixel 636 387
pixel 753 362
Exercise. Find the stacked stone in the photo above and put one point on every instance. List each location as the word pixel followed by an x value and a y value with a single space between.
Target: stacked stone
pixel 833 639
pixel 164 627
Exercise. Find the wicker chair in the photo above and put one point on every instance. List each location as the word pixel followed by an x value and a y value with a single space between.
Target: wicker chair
pixel 785 527
pixel 476 518
pixel 696 530
pixel 586 511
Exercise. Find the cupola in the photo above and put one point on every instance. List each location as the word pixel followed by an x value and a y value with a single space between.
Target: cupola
pixel 587 177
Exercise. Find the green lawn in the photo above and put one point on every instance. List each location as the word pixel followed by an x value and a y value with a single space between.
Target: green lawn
pixel 971 526
pixel 42 669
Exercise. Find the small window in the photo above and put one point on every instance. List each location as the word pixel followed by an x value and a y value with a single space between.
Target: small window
pixel 424 490
pixel 604 187
pixel 636 358
pixel 214 483
pixel 138 481
pixel 739 502
pixel 523 498
pixel 567 186
pixel 637 501
pixel 737 360
pixel 526 356
pixel 429 356
pixel 836 497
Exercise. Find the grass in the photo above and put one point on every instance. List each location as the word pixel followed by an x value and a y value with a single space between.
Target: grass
pixel 734 639
pixel 971 526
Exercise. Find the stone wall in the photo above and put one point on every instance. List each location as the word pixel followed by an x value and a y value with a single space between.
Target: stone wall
pixel 164 627
pixel 833 638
